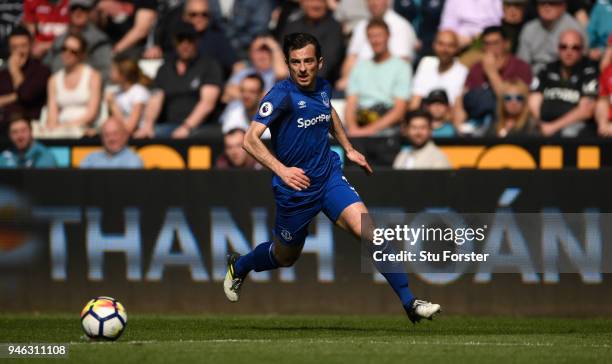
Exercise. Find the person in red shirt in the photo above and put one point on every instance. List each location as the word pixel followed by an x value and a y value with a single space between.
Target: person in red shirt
pixel 603 109
pixel 45 19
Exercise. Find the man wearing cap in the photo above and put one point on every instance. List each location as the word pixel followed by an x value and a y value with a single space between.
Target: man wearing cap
pixel 187 88
pixel 436 103
pixel 99 47
pixel 538 39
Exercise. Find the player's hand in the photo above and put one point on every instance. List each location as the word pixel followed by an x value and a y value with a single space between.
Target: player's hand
pixel 358 158
pixel 295 178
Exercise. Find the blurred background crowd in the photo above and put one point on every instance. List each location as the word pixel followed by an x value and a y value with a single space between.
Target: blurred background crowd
pixel 418 69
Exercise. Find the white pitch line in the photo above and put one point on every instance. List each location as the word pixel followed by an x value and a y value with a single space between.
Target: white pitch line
pixel 328 341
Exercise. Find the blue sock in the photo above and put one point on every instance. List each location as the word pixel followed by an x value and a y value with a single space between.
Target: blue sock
pixel 399 283
pixel 395 275
pixel 259 259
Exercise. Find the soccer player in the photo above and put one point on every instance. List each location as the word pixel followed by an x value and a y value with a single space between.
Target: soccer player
pixel 308 175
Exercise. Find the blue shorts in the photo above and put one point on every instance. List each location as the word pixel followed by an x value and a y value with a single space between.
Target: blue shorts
pixel 296 209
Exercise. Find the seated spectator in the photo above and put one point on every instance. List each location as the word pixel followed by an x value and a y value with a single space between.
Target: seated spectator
pixel 45 19
pixel 239 113
pixel 513 21
pixel 437 105
pixel 603 111
pixel 442 71
pixel 318 21
pixel 484 83
pixel 564 93
pixel 99 48
pixel 606 59
pixel 599 28
pixel 402 40
pixel 512 117
pixel 23 83
pixel 538 39
pixel 116 153
pixel 468 18
pixel 423 153
pixel 74 92
pixel 127 23
pixel 212 42
pixel 234 157
pixel 350 12
pixel 26 152
pixel 266 59
pixel 378 89
pixel 242 21
pixel 186 90
pixel 425 16
pixel 12 12
pixel 128 103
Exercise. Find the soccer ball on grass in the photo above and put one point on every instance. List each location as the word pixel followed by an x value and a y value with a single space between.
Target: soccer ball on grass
pixel 103 318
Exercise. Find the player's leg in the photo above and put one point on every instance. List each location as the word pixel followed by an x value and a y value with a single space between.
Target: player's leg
pixel 290 231
pixel 343 205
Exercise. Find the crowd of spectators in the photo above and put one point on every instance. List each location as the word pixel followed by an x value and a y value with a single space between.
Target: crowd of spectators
pixel 190 68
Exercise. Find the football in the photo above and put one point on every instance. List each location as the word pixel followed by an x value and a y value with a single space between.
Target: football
pixel 103 318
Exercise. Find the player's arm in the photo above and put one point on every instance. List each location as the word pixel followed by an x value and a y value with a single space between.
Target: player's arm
pixel 337 131
pixel 292 176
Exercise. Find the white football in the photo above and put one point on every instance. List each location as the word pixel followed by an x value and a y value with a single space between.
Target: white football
pixel 103 318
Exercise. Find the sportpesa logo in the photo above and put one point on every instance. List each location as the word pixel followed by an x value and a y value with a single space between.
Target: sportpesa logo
pixel 304 123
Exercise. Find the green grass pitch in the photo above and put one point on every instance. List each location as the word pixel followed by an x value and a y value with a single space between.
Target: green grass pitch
pixel 322 339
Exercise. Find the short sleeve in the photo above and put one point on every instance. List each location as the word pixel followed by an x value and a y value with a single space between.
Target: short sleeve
pixel 141 95
pixel 536 84
pixel 273 106
pixel 403 80
pixel 212 74
pixel 590 82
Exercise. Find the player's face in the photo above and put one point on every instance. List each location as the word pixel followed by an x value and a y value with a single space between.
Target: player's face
pixel 304 65
pixel 21 135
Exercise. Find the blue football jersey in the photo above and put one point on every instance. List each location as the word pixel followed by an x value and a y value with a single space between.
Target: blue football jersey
pixel 299 123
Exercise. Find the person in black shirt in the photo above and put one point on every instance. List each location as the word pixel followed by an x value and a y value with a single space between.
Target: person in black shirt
pixel 564 92
pixel 187 89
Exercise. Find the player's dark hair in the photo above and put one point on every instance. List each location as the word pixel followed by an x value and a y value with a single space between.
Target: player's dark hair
pixel 295 41
pixel 380 23
pixel 255 76
pixel 420 113
pixel 20 30
pixel 494 29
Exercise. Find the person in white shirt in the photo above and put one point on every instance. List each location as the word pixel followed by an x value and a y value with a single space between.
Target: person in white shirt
pixel 442 71
pixel 239 113
pixel 128 103
pixel 402 41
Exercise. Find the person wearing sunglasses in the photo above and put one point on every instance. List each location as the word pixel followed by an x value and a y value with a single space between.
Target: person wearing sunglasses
pixel 538 39
pixel 564 93
pixel 512 116
pixel 211 40
pixel 99 48
pixel 75 92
